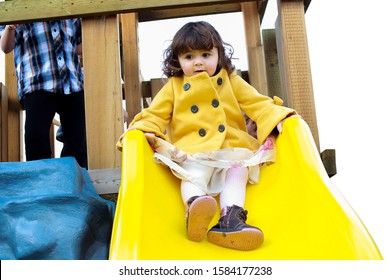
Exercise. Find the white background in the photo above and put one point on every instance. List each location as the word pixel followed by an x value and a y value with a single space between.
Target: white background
pixel 349 52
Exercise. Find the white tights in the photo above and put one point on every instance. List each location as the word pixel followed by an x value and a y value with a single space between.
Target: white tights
pixel 233 193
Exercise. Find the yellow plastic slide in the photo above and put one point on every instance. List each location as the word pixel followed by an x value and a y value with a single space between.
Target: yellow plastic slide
pixel 302 214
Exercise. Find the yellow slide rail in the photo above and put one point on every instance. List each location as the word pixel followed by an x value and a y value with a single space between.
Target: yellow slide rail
pixel 302 214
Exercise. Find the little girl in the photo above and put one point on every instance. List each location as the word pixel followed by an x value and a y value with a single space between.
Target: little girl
pixel 196 126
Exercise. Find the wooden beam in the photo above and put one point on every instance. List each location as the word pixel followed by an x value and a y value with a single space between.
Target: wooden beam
pixel 256 66
pixel 15 116
pixel 3 123
pixel 17 11
pixel 103 91
pixel 105 181
pixel 272 63
pixel 161 14
pixel 293 52
pixel 52 138
pixel 156 85
pixel 146 89
pixel 130 60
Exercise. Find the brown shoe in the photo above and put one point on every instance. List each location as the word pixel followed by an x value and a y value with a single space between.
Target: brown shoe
pixel 200 212
pixel 232 231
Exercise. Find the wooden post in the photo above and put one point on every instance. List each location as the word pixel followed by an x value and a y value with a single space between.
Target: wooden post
pixel 272 63
pixel 52 141
pixel 131 72
pixel 256 68
pixel 103 91
pixel 3 123
pixel 328 158
pixel 15 116
pixel 294 62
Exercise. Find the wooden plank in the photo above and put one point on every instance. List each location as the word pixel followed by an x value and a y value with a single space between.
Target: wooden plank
pixel 297 86
pixel 328 158
pixel 3 123
pixel 26 10
pixel 256 65
pixel 156 85
pixel 146 89
pixel 105 181
pixel 103 91
pixel 161 14
pixel 282 65
pixel 130 60
pixel 15 115
pixel 52 137
pixel 271 63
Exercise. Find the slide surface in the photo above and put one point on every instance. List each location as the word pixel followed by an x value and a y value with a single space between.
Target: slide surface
pixel 301 212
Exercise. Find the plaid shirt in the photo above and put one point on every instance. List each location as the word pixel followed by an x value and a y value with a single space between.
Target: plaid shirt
pixel 37 63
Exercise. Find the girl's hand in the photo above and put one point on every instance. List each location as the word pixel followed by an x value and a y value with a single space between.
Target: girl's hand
pixel 150 134
pixel 280 124
pixel 133 128
pixel 123 134
pixel 251 127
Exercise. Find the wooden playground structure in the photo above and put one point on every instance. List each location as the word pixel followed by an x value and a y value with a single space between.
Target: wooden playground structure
pixel 278 64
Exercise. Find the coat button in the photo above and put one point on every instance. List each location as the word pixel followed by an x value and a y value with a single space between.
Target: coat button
pixel 215 103
pixel 219 81
pixel 202 132
pixel 221 128
pixel 186 86
pixel 194 109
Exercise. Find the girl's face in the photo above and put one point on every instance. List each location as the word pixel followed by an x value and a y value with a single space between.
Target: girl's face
pixel 197 61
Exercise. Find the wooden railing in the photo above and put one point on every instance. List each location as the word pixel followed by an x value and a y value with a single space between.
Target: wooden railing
pixel 3 123
pixel 18 11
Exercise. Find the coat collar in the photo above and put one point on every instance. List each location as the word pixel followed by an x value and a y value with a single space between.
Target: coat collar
pixel 216 80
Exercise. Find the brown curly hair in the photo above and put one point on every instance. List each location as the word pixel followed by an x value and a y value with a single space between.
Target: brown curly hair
pixel 199 35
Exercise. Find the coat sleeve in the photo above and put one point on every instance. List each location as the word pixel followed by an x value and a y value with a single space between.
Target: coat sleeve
pixel 156 118
pixel 265 111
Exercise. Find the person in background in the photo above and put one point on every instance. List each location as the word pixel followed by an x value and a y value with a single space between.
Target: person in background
pixel 196 126
pixel 50 80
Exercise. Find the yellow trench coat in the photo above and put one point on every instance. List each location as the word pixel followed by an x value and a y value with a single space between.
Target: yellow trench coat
pixel 202 113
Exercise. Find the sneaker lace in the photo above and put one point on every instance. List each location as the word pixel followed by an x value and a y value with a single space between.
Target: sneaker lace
pixel 242 215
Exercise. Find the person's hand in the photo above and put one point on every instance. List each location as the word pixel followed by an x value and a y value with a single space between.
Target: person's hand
pixel 150 134
pixel 7 40
pixel 12 26
pixel 280 124
pixel 251 126
pixel 128 129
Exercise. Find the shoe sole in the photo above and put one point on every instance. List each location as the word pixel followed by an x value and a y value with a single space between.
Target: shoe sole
pixel 201 212
pixel 244 240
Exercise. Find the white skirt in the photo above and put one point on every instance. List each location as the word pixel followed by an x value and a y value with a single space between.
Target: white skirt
pixel 207 170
